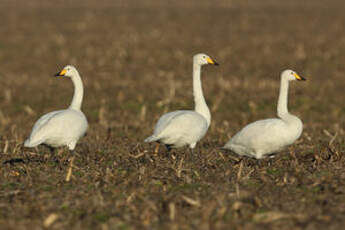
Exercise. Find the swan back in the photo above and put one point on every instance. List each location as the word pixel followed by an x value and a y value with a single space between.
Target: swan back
pixel 58 128
pixel 180 128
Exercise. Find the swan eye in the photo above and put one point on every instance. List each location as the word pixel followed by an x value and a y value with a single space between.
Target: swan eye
pixel 204 56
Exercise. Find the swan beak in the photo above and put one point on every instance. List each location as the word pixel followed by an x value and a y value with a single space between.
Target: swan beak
pixel 61 73
pixel 211 61
pixel 299 78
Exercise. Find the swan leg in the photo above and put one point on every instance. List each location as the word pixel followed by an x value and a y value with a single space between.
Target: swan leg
pixel 191 153
pixel 168 148
pixel 51 149
pixel 69 171
pixel 272 155
pixel 192 146
pixel 53 154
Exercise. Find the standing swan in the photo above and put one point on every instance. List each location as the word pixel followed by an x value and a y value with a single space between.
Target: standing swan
pixel 185 127
pixel 62 127
pixel 262 138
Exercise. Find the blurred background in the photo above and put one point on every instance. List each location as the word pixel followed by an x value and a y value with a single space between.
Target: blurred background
pixel 135 59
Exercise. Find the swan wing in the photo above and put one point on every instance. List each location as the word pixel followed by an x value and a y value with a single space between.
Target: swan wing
pixel 58 125
pixel 165 120
pixel 162 123
pixel 263 131
pixel 260 138
pixel 42 121
pixel 185 127
pixel 265 127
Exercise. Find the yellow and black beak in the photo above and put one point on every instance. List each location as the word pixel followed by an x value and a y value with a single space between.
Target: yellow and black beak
pixel 61 73
pixel 211 61
pixel 299 78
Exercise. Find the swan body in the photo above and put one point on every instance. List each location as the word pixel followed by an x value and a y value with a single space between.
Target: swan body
pixel 180 128
pixel 266 137
pixel 186 127
pixel 62 127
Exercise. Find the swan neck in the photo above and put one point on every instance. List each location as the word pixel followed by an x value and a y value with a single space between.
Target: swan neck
pixel 78 92
pixel 283 98
pixel 199 100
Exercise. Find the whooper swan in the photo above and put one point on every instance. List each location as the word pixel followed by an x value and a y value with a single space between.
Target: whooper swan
pixel 62 127
pixel 266 137
pixel 185 127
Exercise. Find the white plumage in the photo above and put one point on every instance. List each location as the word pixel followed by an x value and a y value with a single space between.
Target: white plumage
pixel 62 127
pixel 265 137
pixel 186 127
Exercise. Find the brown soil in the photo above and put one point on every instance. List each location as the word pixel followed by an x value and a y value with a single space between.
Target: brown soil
pixel 135 60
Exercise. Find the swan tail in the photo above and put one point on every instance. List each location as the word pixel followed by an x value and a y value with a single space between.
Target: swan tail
pixel 28 143
pixel 235 148
pixel 225 147
pixel 231 144
pixel 151 139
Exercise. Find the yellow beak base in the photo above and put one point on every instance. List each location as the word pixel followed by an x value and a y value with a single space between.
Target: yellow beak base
pixel 61 73
pixel 299 78
pixel 212 62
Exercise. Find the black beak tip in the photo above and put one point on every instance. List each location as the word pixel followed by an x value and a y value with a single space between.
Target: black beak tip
pixel 57 74
pixel 303 79
pixel 216 63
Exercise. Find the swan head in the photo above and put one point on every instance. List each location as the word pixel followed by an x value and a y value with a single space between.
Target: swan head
pixel 291 75
pixel 67 71
pixel 203 59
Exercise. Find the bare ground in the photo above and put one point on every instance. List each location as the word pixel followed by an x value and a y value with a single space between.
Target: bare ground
pixel 135 60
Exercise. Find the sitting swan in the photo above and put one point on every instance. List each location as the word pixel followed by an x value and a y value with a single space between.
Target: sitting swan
pixel 265 137
pixel 62 127
pixel 185 127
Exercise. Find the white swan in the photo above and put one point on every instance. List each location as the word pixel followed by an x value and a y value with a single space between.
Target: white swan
pixel 62 127
pixel 186 127
pixel 265 137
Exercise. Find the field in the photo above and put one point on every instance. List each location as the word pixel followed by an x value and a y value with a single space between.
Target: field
pixel 135 59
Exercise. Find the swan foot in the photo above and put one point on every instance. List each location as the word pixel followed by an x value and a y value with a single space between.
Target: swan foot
pixel 168 148
pixel 192 156
pixel 51 149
